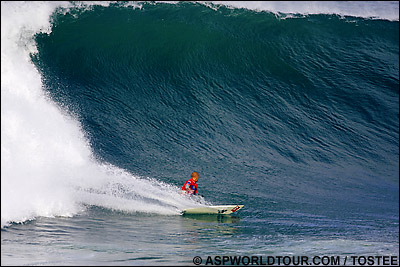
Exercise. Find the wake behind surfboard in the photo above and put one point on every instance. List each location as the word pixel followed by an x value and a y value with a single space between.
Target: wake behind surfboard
pixel 223 209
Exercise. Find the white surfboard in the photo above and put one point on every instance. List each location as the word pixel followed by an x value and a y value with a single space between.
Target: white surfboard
pixel 223 209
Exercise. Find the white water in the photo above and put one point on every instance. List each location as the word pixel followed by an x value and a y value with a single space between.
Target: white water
pixel 47 165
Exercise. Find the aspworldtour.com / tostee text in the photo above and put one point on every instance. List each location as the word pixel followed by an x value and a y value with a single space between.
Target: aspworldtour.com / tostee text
pixel 298 260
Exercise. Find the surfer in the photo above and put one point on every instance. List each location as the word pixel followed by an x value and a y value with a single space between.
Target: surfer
pixel 190 186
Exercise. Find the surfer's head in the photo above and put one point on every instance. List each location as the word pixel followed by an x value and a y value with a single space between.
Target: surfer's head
pixel 195 176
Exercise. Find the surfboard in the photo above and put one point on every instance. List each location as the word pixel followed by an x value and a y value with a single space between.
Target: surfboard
pixel 223 209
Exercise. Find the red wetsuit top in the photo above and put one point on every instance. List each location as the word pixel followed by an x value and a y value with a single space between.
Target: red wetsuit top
pixel 190 184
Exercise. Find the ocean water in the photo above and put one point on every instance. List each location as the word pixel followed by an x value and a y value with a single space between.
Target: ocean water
pixel 289 108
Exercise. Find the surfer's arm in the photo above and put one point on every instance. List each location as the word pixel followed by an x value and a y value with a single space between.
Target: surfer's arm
pixel 187 188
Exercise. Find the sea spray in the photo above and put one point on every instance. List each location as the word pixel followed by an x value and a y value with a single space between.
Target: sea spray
pixel 36 137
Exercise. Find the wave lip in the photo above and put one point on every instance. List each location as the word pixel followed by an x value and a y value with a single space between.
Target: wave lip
pixel 365 9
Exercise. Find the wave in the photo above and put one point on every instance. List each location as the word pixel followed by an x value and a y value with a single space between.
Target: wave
pixel 87 88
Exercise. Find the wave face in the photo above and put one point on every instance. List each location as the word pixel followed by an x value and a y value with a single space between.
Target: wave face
pixel 278 112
